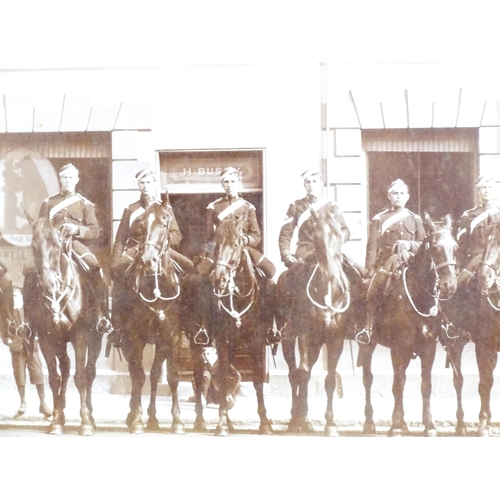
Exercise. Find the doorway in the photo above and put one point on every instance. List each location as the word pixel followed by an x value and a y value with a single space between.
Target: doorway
pixel 439 166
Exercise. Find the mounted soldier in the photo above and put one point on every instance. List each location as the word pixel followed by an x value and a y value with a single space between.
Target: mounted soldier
pixel 130 237
pixel 476 224
pixel 74 215
pixel 395 235
pixel 299 220
pixel 233 206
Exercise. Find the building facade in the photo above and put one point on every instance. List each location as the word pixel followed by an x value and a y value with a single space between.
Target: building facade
pixel 435 126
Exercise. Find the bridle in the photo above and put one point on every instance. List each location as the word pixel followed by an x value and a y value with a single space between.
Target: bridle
pixel 231 290
pixel 434 309
pixel 157 272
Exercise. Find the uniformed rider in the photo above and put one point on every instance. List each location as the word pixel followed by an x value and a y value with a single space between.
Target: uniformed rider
pixel 395 234
pixel 298 221
pixel 233 206
pixel 72 214
pixel 131 230
pixel 475 224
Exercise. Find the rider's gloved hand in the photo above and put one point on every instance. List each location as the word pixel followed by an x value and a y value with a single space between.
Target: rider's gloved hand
pixel 69 228
pixel 290 260
pixel 404 244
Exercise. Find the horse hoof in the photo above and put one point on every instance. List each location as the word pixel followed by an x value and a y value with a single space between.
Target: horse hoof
pixel 266 430
pixel 331 431
pixel 369 428
pixel 177 429
pixel 137 429
pixel 484 432
pixel 308 427
pixel 153 425
pixel 430 433
pixel 222 430
pixel 199 426
pixel 55 430
pixel 293 428
pixel 86 430
pixel 461 430
pixel 395 432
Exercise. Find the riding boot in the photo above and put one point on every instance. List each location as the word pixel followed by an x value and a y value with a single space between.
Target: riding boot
pixel 375 289
pixel 100 302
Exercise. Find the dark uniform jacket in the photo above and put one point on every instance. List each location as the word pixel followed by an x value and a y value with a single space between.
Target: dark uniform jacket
pixel 299 216
pixel 131 230
pixel 386 228
pixel 473 231
pixel 73 209
pixel 222 209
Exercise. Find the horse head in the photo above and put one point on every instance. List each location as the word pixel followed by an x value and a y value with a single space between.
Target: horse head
pixel 442 247
pixel 328 241
pixel 155 253
pixel 47 250
pixel 228 252
pixel 489 269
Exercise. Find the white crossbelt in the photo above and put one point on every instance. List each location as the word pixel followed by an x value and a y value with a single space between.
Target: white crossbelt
pixel 231 208
pixel 135 214
pixel 63 204
pixel 393 219
pixel 483 216
pixel 307 213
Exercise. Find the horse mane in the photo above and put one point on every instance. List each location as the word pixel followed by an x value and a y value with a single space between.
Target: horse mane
pixel 228 230
pixel 328 218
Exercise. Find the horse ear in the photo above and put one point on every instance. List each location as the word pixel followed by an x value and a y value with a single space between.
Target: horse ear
pixel 448 221
pixel 428 222
pixel 165 199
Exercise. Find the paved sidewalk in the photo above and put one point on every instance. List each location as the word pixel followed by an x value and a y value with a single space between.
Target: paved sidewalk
pixel 110 411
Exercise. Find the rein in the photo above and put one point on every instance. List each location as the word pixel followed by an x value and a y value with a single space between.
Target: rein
pixel 328 309
pixel 434 309
pixel 233 291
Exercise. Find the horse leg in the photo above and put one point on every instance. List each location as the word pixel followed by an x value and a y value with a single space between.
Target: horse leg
pixel 80 345
pixel 133 351
pixel 400 362
pixel 201 379
pixel 289 354
pixel 222 428
pixel 258 382
pixel 152 423
pixel 57 423
pixel 173 382
pixel 486 363
pixel 335 346
pixel 454 349
pixel 365 356
pixel 427 360
pixel 94 350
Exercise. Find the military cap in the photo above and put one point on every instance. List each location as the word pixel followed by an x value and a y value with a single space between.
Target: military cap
pixel 143 173
pixel 69 167
pixel 485 179
pixel 229 171
pixel 310 172
pixel 398 183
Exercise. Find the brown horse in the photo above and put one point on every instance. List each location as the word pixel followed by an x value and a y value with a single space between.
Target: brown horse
pixel 322 309
pixel 478 291
pixel 408 322
pixel 145 310
pixel 237 318
pixel 55 298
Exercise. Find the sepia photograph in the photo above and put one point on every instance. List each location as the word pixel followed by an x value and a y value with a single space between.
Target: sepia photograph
pixel 231 233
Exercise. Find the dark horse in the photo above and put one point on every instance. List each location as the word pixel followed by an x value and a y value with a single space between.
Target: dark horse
pixel 323 302
pixel 238 318
pixel 475 311
pixel 408 321
pixel 146 311
pixel 55 298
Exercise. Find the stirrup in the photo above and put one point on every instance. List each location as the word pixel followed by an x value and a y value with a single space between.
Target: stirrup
pixel 363 337
pixel 104 326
